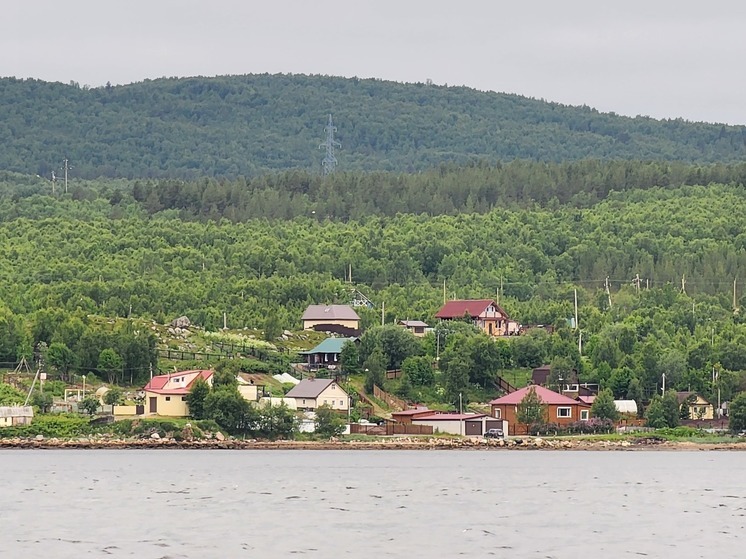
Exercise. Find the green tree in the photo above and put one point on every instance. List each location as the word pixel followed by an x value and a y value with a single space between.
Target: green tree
pixel 603 406
pixel 277 422
pixel 655 414
pixel 89 405
pixel 196 398
pixel 43 401
pixel 671 410
pixel 272 327
pixel 737 413
pixel 231 411
pixel 110 363
pixel 454 366
pixel 419 370
pixel 560 373
pixel 375 370
pixel 61 358
pixel 328 422
pixel 114 396
pixel 634 392
pixel 10 396
pixel 349 358
pixel 531 409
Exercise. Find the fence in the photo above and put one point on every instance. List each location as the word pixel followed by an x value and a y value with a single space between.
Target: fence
pixel 390 429
pixel 390 399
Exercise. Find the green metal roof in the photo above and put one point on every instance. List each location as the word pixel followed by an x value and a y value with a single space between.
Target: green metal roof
pixel 329 345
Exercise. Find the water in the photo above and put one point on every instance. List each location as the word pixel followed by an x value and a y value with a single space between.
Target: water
pixel 204 504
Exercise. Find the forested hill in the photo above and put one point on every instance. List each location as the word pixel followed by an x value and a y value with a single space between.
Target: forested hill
pixel 248 125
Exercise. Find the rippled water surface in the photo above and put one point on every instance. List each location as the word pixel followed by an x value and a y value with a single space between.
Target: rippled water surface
pixel 204 504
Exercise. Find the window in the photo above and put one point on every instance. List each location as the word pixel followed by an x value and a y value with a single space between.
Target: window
pixel 564 412
pixel 334 386
pixel 304 401
pixel 498 413
pixel 183 398
pixel 341 402
pixel 584 415
pixel 168 398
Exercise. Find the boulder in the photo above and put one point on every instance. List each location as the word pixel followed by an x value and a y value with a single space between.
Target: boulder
pixel 155 436
pixel 39 437
pixel 219 436
pixel 181 322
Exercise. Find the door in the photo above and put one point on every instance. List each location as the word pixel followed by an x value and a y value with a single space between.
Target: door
pixel 153 404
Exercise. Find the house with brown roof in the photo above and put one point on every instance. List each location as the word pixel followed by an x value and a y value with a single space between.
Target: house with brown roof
pixel 166 395
pixel 311 393
pixel 10 416
pixel 469 424
pixel 417 327
pixel 485 314
pixel 340 319
pixel 406 416
pixel 559 409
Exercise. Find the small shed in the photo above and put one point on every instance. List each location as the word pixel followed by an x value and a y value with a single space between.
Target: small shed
pixel 15 415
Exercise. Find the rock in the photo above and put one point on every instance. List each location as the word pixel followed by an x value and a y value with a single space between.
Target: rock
pixel 287 333
pixel 155 436
pixel 219 436
pixel 538 442
pixel 172 331
pixel 39 437
pixel 181 322
pixel 188 433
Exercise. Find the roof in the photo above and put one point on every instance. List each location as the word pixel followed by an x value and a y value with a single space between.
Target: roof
pixel 472 307
pixel 16 411
pixel 587 399
pixel 413 323
pixel 329 345
pixel 165 384
pixel 310 388
pixel 330 312
pixel 413 411
pixel 695 398
pixel 547 396
pixel 451 416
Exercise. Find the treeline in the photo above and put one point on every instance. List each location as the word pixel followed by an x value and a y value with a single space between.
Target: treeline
pixel 248 125
pixel 474 188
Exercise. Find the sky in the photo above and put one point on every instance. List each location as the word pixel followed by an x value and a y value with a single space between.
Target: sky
pixel 659 58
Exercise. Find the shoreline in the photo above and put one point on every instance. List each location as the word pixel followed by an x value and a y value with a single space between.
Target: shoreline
pixel 399 443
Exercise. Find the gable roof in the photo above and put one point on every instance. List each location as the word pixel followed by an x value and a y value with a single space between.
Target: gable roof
pixel 16 411
pixel 330 312
pixel 329 345
pixel 472 307
pixel 310 388
pixel 547 396
pixel 413 323
pixel 167 384
pixel 435 416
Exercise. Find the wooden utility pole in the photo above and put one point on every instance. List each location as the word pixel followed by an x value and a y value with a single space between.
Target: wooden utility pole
pixel 444 292
pixel 735 305
pixel 683 284
pixel 577 325
pixel 637 281
pixel 608 290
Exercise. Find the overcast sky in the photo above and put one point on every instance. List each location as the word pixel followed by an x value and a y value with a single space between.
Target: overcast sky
pixel 661 58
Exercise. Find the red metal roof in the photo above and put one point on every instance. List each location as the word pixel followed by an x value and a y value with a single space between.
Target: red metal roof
pixel 158 384
pixel 451 416
pixel 458 308
pixel 547 396
pixel 413 411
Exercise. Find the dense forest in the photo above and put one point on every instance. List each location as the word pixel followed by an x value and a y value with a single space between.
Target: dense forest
pixel 98 250
pixel 247 125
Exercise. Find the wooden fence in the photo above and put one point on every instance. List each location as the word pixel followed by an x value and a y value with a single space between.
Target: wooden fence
pixel 390 429
pixel 390 399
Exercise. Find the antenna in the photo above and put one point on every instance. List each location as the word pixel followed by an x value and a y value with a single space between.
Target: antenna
pixel 329 163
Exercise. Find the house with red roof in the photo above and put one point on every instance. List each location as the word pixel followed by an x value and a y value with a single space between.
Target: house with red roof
pixel 166 395
pixel 485 314
pixel 559 409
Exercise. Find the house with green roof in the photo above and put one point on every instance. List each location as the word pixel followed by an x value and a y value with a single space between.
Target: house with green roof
pixel 326 354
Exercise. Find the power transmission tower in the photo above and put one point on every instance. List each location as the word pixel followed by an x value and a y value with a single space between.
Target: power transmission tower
pixel 329 162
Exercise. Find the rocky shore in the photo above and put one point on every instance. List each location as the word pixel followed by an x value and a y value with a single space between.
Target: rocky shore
pixel 394 443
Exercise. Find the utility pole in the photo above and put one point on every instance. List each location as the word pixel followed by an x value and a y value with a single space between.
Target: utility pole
pixel 683 284
pixel 66 166
pixel 329 163
pixel 735 306
pixel 577 325
pixel 54 183
pixel 383 312
pixel 637 281
pixel 608 291
pixel 444 292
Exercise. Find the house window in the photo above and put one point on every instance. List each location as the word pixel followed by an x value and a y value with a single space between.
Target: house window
pixel 334 386
pixel 564 412
pixel 168 398
pixel 304 402
pixel 583 415
pixel 498 413
pixel 183 398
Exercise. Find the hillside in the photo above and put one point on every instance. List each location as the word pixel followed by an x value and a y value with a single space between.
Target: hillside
pixel 248 125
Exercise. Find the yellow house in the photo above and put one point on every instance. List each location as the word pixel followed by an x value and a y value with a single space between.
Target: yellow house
pixel 327 317
pixel 311 393
pixel 699 408
pixel 166 395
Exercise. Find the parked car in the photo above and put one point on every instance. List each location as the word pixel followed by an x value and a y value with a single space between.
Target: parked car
pixel 494 434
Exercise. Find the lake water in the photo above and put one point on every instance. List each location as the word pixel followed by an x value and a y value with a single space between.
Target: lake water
pixel 204 504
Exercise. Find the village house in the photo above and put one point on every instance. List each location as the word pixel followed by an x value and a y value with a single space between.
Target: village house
pixel 10 416
pixel 340 319
pixel 406 416
pixel 327 353
pixel 311 393
pixel 417 327
pixel 560 409
pixel 166 395
pixel 699 408
pixel 485 314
